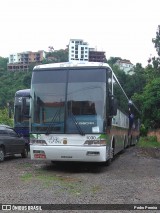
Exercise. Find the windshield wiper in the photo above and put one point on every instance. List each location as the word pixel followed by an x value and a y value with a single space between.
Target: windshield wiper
pixel 76 123
pixel 52 121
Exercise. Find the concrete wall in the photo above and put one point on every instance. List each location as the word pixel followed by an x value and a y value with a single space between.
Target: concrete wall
pixel 155 133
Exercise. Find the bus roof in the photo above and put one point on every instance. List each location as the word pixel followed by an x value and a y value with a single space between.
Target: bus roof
pixel 23 92
pixel 71 64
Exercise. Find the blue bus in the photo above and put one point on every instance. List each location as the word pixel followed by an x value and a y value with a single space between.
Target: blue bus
pixel 21 115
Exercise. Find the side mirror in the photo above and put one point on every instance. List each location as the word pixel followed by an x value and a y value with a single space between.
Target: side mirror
pixel 113 106
pixel 24 106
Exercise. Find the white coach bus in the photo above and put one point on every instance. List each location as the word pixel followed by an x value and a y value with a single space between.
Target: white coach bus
pixel 79 112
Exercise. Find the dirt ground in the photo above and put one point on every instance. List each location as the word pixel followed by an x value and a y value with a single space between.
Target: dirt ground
pixel 132 178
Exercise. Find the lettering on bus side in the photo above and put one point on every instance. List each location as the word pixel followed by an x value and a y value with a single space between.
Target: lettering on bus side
pixel 53 139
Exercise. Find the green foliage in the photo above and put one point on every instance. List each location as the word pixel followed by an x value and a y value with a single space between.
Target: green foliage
pixel 155 61
pixel 148 98
pixel 143 130
pixel 112 60
pixel 4 117
pixel 10 83
pixel 3 64
pixel 149 102
pixel 149 141
pixel 56 56
pixel 156 41
pixel 131 83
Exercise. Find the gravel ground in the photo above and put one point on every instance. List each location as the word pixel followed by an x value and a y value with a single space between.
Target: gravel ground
pixel 132 178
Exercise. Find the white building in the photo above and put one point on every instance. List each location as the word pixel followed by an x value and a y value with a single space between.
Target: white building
pixel 125 65
pixel 78 50
pixel 13 58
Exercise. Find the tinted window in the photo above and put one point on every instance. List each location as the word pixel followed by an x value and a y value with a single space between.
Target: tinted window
pixel 3 132
pixel 49 76
pixel 87 75
pixel 12 132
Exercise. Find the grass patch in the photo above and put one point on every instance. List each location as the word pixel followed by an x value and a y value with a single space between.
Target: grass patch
pixel 148 142
pixel 72 185
pixel 27 165
pixel 95 189
pixel 27 177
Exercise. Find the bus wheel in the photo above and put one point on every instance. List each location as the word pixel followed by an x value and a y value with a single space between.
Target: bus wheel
pixel 24 154
pixel 108 162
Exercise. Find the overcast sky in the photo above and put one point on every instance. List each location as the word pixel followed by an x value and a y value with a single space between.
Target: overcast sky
pixel 121 28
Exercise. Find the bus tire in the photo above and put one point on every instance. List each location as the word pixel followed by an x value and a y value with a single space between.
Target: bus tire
pixel 108 162
pixel 24 154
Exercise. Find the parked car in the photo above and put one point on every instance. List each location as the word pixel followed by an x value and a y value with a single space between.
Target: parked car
pixel 11 143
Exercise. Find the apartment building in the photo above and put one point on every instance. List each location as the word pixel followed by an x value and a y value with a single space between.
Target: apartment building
pixel 78 50
pixel 21 61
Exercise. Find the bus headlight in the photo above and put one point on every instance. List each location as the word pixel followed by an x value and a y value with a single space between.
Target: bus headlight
pixel 37 141
pixel 95 142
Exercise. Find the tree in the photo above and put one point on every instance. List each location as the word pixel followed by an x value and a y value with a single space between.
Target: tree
pixel 148 98
pixel 156 41
pixel 56 56
pixel 112 60
pixel 3 64
pixel 155 61
pixel 151 104
pixel 4 117
pixel 136 82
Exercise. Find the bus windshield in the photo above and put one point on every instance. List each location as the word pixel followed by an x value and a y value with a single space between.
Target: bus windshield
pixel 68 100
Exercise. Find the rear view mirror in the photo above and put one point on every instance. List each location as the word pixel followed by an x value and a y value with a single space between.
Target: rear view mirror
pixel 113 106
